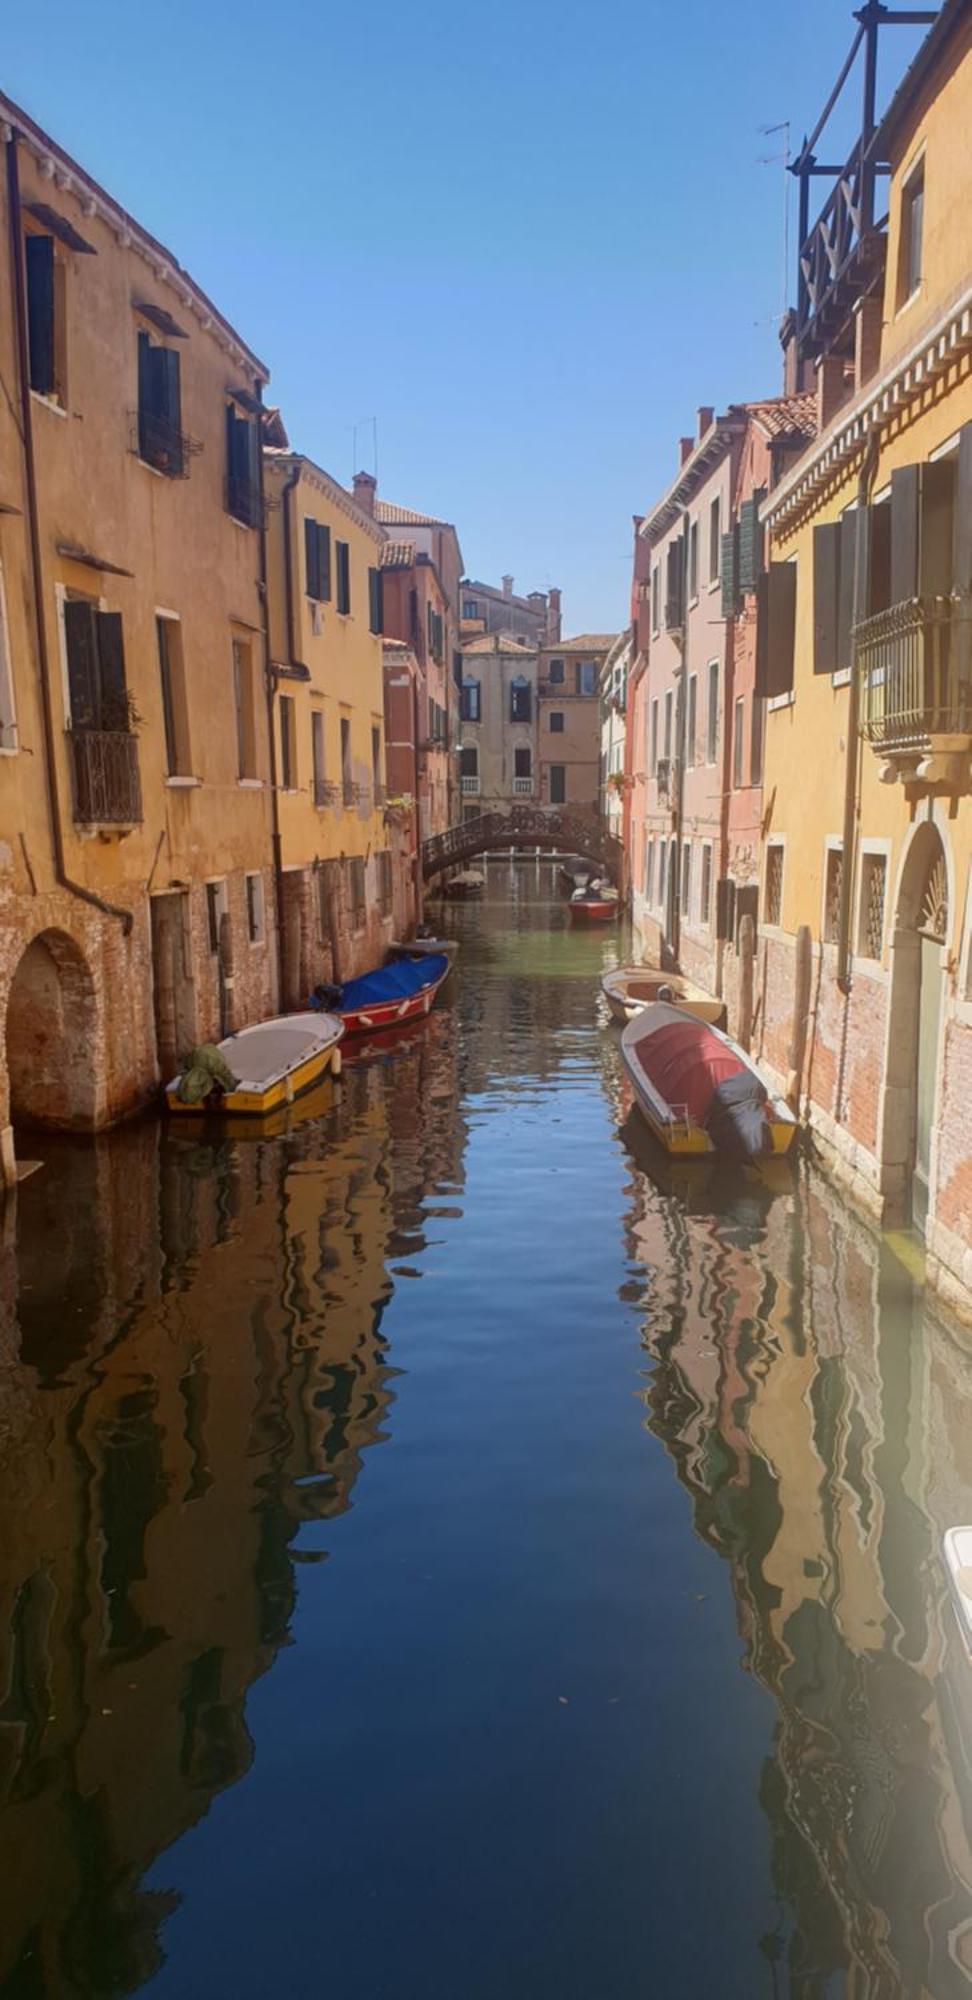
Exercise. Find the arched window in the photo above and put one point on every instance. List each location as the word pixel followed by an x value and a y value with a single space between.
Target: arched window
pixel 469 707
pixel 469 761
pixel 520 699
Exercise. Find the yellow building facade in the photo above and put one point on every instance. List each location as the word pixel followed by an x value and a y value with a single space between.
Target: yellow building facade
pixel 325 622
pixel 867 826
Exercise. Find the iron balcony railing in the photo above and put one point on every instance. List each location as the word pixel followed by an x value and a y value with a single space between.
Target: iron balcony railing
pixel 244 501
pixel 162 445
pixel 523 787
pixel 469 786
pixel 326 792
pixel 107 787
pixel 914 662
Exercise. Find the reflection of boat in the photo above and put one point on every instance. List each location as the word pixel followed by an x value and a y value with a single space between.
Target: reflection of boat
pixel 422 947
pixel 708 1184
pixel 594 905
pixel 629 989
pixel 468 882
pixel 272 1063
pixel 957 1544
pixel 698 1091
pixel 387 997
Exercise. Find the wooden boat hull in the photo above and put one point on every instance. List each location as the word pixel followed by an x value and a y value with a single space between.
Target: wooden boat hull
pixel 251 1099
pixel 629 989
pixel 594 910
pixel 422 948
pixel 385 1014
pixel 671 1125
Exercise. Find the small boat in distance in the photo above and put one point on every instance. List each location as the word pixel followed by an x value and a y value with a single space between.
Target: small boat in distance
pixel 575 872
pixel 260 1069
pixel 597 904
pixel 421 947
pixel 387 997
pixel 698 1091
pixel 957 1547
pixel 468 882
pixel 629 989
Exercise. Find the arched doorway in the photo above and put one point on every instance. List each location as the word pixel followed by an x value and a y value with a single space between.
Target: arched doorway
pixel 50 1035
pixel 917 990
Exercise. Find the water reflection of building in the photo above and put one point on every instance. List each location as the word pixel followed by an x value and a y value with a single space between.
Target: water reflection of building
pixel 811 1409
pixel 191 1370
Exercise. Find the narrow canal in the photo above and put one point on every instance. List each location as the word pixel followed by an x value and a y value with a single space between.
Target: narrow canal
pixel 442 1558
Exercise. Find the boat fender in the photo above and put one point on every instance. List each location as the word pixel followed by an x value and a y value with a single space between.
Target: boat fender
pixel 337 1064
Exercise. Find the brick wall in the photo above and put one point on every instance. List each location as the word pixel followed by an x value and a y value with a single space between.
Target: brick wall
pixel 953 1205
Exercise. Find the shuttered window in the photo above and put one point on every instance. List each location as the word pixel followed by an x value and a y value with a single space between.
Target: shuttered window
pixel 96 667
pixel 160 439
pixel 776 629
pixel 750 542
pixel 342 556
pixel 317 560
pixel 674 580
pixel 730 573
pixel 725 907
pixel 712 714
pixel 376 622
pixel 242 469
pixel 39 255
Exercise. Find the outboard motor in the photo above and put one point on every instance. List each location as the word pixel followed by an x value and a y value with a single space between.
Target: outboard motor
pixel 736 1120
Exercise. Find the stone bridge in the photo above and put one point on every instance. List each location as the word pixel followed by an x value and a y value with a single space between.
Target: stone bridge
pixel 560 830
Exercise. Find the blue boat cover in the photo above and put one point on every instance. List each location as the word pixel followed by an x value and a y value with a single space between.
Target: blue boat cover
pixel 391 982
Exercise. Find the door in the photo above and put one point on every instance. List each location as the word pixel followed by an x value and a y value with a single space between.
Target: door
pixel 558 784
pixel 932 930
pixel 175 1028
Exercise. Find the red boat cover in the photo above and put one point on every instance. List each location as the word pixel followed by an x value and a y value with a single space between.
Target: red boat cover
pixel 686 1062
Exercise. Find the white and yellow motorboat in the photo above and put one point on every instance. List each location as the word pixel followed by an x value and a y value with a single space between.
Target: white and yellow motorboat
pixel 269 1065
pixel 629 989
pixel 697 1089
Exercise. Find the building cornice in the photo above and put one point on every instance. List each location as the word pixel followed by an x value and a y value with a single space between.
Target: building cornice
pixel 277 459
pixel 708 453
pixel 68 178
pixel 905 379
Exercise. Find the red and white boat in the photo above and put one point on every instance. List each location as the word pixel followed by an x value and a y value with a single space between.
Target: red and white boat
pixel 598 903
pixel 699 1091
pixel 387 997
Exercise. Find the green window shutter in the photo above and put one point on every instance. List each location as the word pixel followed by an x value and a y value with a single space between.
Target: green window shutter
pixel 39 254
pixel 750 542
pixel 375 600
pixel 324 562
pixel 775 629
pixel 730 580
pixel 826 592
pixel 311 555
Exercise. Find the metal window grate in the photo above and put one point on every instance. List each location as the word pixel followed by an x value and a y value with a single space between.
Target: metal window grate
pixel 873 876
pixel 832 889
pixel 773 891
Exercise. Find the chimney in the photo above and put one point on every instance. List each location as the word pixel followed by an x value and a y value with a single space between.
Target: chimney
pixel 553 617
pixel 507 586
pixel 797 374
pixel 686 446
pixel 704 417
pixel 365 489
pixel 832 387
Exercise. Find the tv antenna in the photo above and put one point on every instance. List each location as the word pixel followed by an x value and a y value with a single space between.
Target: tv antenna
pixel 781 159
pixel 362 425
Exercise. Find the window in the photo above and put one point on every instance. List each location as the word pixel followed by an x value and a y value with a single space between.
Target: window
pixel 586 677
pixel 655 596
pixel 558 784
pixel 8 713
pixel 342 557
pixel 654 736
pixel 254 908
pixel 833 877
pixel 686 893
pixel 773 885
pixel 693 561
pixel 715 539
pixel 173 685
pixel 555 673
pixel 356 891
pixel 97 689
pixel 216 910
pixel 45 316
pixel 347 784
pixel 712 715
pixel 693 693
pixel 376 601
pixel 317 560
pixel 436 632
pixel 870 930
pixel 470 608
pixel 288 743
pixel 160 439
pixel 705 885
pixel 522 761
pixel 912 227
pixel 662 868
pixel 649 869
pixel 244 709
pixel 738 738
pixel 668 725
pixel 556 722
pixel 520 700
pixel 470 700
pixel 243 499
pixel 469 761
pixel 317 756
pixel 756 743
pixel 378 789
pixel 384 862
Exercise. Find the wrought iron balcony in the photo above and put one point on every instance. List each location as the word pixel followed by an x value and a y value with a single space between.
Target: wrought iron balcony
pixel 244 500
pixel 326 792
pixel 469 786
pixel 523 787
pixel 107 787
pixel 914 662
pixel 162 445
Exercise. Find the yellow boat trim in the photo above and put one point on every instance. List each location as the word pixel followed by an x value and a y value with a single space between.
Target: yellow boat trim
pixel 277 1096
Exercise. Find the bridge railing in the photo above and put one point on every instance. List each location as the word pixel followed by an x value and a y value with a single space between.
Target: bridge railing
pixel 568 832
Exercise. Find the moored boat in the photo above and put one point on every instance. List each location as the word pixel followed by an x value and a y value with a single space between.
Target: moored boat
pixel 698 1091
pixel 575 872
pixel 469 882
pixel 260 1069
pixel 957 1547
pixel 597 904
pixel 387 997
pixel 629 989
pixel 422 947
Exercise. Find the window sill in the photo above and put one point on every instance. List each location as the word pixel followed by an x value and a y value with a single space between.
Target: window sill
pixel 841 679
pixel 175 782
pixel 256 785
pixel 713 584
pixel 9 749
pixel 781 701
pixel 48 403
pixel 247 526
pixel 911 300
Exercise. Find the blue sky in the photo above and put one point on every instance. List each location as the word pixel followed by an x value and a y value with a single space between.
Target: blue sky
pixel 529 240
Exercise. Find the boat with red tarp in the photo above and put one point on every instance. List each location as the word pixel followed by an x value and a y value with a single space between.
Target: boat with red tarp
pixel 597 904
pixel 387 997
pixel 698 1090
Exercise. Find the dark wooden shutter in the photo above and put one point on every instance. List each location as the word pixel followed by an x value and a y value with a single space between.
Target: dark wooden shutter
pixel 845 597
pixel 673 585
pixel 750 543
pixel 937 485
pixel 82 661
pixel 904 533
pixel 747 904
pixel 169 385
pixel 375 600
pixel 324 561
pixel 111 664
pixel 725 907
pixel 311 556
pixel 39 252
pixel 775 629
pixel 730 578
pixel 879 559
pixel 826 591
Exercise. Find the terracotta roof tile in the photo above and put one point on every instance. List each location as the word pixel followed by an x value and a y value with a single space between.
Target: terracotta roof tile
pixel 786 416
pixel 586 642
pixel 405 517
pixel 397 555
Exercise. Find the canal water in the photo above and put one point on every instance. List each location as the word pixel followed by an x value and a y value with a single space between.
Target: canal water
pixel 445 1556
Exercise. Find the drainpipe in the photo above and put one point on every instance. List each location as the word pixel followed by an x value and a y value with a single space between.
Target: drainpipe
pixel 681 733
pixel 272 684
pixel 61 876
pixel 853 748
